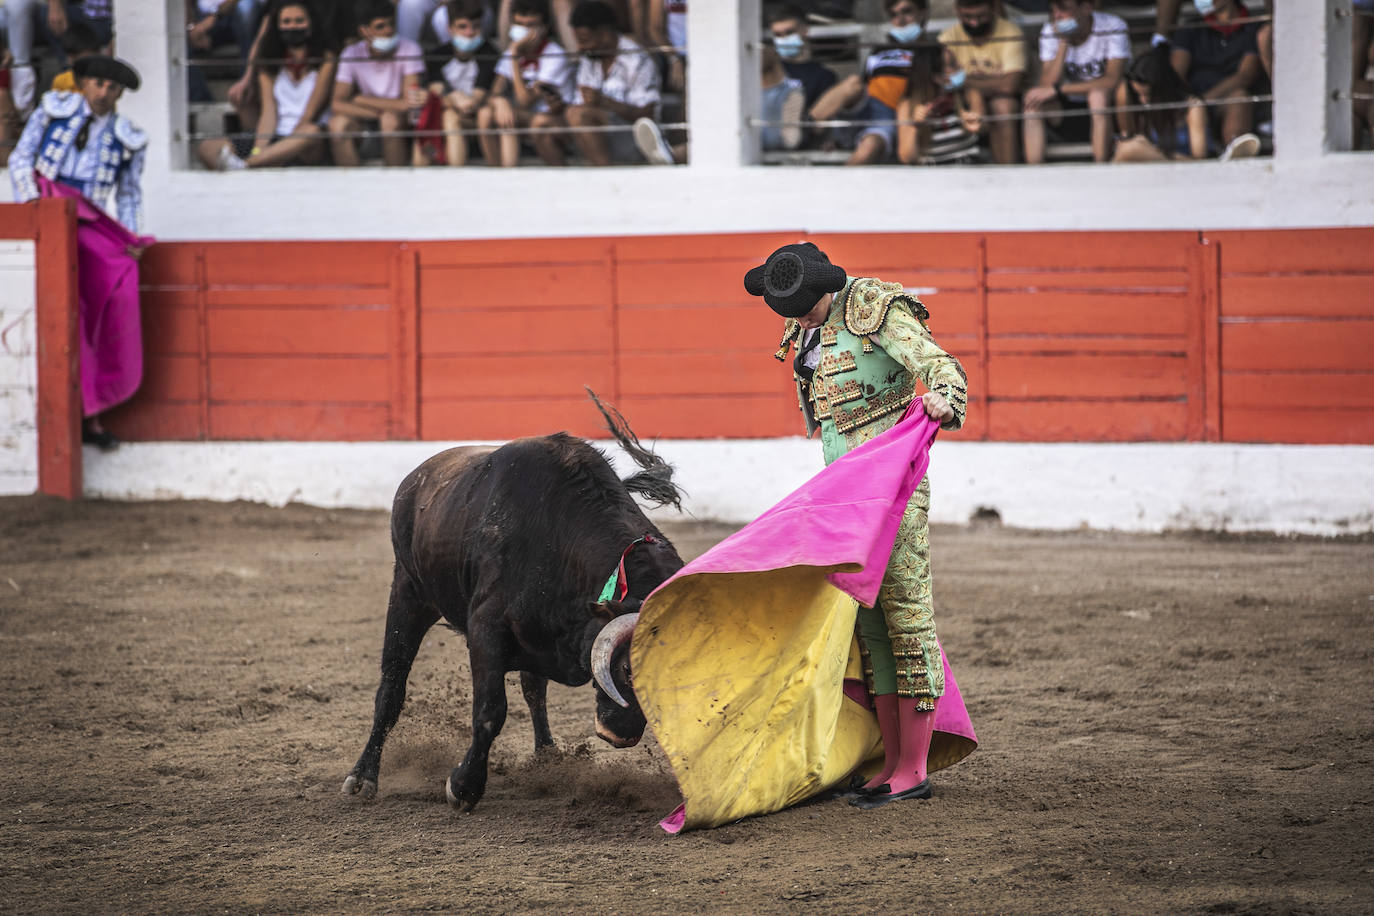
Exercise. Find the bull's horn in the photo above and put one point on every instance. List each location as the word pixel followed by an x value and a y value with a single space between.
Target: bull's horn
pixel 618 631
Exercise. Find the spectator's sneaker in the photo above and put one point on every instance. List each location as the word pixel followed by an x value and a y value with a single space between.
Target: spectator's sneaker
pixel 793 109
pixel 230 161
pixel 23 82
pixel 1243 147
pixel 650 141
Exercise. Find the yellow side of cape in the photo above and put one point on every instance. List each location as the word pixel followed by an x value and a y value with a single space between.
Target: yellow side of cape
pixel 740 677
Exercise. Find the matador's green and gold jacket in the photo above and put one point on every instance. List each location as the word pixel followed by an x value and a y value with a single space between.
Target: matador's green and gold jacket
pixel 874 347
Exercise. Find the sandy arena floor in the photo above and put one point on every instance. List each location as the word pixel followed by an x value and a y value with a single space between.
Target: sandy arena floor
pixel 1168 724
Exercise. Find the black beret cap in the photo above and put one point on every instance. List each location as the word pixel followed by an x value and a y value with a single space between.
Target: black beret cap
pixel 101 66
pixel 794 278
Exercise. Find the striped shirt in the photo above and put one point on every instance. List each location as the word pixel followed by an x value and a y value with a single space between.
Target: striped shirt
pixel 950 141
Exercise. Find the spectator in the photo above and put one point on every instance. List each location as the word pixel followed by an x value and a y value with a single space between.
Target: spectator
pixel 667 28
pixel 459 79
pixel 9 117
pixel 617 82
pixel 53 17
pixel 412 15
pixel 211 24
pixel 378 85
pixel 992 52
pixel 871 100
pixel 1166 133
pixel 1083 54
pixel 1362 61
pixel 295 81
pixel 80 40
pixel 939 119
pixel 782 103
pixel 787 26
pixel 1221 63
pixel 534 84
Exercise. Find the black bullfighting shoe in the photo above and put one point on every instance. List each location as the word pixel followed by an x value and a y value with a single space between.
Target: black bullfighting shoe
pixel 869 802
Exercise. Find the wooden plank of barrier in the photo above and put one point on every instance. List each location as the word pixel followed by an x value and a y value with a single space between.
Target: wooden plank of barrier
pixel 403 338
pixel 286 379
pixel 1266 252
pixel 1088 421
pixel 290 331
pixel 1295 345
pixel 1209 299
pixel 53 228
pixel 317 422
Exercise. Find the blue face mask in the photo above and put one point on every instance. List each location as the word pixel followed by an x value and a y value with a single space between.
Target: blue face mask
pixel 1205 7
pixel 907 33
pixel 385 45
pixel 518 32
pixel 1065 26
pixel 955 80
pixel 789 46
pixel 466 44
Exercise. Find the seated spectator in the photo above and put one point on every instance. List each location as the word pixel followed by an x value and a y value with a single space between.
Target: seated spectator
pixel 991 50
pixel 295 82
pixel 1166 133
pixel 377 86
pixel 667 28
pixel 1362 60
pixel 1083 54
pixel 782 103
pixel 9 117
pixel 51 18
pixel 939 119
pixel 211 24
pixel 460 75
pixel 80 40
pixel 617 82
pixel 535 82
pixel 871 100
pixel 1221 62
pixel 786 25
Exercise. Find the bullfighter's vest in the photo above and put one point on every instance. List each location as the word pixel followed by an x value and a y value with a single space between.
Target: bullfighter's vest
pixel 856 384
pixel 118 144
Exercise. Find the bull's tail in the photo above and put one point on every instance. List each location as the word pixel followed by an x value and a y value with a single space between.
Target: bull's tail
pixel 655 481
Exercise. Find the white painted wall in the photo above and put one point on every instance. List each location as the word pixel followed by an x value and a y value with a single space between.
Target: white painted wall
pixel 1147 487
pixel 18 370
pixel 1303 185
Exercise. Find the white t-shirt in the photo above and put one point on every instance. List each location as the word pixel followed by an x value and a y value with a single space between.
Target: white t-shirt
pixel 553 66
pixel 1088 61
pixel 291 98
pixel 379 77
pixel 633 77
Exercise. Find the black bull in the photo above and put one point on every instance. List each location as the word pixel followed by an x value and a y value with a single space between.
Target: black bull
pixel 512 546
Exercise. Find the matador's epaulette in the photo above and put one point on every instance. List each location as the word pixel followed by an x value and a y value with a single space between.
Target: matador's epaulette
pixel 789 333
pixel 867 305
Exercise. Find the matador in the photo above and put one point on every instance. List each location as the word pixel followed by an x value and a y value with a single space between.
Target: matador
pixel 862 346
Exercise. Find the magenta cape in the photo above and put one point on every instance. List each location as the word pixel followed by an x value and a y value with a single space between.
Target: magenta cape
pixel 740 660
pixel 107 277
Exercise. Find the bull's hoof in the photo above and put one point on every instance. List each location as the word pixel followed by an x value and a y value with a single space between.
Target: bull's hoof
pixel 353 785
pixel 459 800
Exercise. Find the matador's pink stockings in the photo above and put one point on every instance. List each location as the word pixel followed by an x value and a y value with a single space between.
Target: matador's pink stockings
pixel 906 734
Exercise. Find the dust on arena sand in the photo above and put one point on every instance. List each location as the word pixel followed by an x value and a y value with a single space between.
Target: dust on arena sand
pixel 1175 723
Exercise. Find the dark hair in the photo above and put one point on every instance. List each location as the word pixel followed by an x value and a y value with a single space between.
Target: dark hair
pixel 919 4
pixel 272 50
pixel 1065 4
pixel 782 12
pixel 593 14
pixel 472 10
pixel 538 8
pixel 1154 70
pixel 959 3
pixel 927 67
pixel 365 11
pixel 80 38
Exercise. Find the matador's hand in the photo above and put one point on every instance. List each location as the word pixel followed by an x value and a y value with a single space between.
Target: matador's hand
pixel 937 408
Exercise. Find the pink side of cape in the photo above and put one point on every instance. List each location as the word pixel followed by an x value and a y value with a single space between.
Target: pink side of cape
pixel 107 279
pixel 847 515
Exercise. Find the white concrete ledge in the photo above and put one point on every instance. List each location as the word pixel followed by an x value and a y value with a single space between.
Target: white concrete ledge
pixel 1322 490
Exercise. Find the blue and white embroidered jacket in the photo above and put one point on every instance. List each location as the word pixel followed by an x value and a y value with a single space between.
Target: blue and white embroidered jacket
pixel 111 162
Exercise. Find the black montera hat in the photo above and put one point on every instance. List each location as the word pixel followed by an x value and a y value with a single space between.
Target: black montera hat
pixel 109 68
pixel 794 278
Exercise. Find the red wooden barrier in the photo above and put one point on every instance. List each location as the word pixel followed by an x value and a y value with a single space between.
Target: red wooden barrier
pixel 1124 336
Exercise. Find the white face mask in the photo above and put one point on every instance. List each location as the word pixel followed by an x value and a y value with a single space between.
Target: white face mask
pixel 906 34
pixel 385 45
pixel 1065 26
pixel 789 46
pixel 1205 7
pixel 518 32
